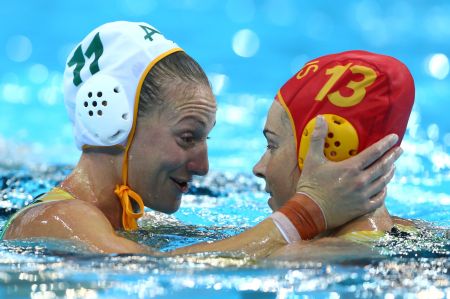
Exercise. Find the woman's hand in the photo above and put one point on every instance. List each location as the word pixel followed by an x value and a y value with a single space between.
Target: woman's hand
pixel 350 188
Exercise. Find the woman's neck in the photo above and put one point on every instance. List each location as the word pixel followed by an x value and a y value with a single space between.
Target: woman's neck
pixel 378 220
pixel 93 180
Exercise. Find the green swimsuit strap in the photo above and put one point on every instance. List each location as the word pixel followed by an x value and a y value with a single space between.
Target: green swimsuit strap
pixel 370 237
pixel 55 194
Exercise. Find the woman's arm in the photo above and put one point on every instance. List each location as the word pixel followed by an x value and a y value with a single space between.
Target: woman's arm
pixel 339 202
pixel 343 190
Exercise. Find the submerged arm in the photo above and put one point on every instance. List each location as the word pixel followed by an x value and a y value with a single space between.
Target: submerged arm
pixel 332 249
pixel 258 241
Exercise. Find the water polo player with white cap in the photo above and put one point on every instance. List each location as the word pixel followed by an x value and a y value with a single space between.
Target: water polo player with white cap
pixel 141 110
pixel 361 96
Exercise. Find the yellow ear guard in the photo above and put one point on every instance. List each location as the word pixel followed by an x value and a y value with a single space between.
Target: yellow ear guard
pixel 341 142
pixel 371 93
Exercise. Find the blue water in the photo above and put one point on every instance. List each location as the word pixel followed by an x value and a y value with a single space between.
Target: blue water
pixel 221 205
pixel 248 49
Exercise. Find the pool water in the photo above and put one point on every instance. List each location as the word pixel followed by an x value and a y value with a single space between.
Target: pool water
pixel 218 206
pixel 248 50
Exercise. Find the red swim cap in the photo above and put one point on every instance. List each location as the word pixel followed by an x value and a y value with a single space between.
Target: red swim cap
pixel 363 96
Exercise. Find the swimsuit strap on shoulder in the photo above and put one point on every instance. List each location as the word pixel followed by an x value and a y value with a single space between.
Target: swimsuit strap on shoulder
pixel 363 237
pixel 367 237
pixel 55 194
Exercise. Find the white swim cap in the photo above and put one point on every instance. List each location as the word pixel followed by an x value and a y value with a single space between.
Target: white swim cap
pixel 102 84
pixel 103 78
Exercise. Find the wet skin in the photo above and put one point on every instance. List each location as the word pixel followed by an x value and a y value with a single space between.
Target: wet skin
pixel 170 147
pixel 278 167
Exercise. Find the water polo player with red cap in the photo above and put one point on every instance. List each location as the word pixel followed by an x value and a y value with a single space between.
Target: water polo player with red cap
pixel 360 97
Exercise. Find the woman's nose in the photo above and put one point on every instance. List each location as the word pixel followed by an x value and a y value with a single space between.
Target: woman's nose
pixel 199 164
pixel 260 167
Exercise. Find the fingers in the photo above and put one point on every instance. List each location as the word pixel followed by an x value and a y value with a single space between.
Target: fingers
pixel 378 185
pixel 375 151
pixel 320 129
pixel 377 201
pixel 318 138
pixel 383 165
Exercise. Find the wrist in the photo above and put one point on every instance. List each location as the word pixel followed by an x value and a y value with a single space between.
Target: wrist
pixel 300 218
pixel 285 226
pixel 315 209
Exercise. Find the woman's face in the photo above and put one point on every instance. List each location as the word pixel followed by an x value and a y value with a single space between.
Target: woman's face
pixel 278 166
pixel 169 147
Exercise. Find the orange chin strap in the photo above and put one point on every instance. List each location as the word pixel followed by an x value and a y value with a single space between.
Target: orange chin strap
pixel 129 217
pixel 124 192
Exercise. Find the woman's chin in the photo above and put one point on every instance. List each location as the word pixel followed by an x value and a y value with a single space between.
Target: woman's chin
pixel 276 203
pixel 173 207
pixel 168 207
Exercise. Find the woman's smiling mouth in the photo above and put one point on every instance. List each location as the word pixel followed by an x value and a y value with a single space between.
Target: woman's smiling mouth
pixel 182 184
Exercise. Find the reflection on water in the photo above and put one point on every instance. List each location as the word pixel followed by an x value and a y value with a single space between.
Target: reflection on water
pixel 257 46
pixel 26 270
pixel 218 206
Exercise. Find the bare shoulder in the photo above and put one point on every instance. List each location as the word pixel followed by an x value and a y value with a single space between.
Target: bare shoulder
pixel 74 220
pixel 403 221
pixel 63 219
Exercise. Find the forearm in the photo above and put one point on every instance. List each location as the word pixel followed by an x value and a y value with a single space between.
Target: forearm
pixel 258 241
pixel 300 218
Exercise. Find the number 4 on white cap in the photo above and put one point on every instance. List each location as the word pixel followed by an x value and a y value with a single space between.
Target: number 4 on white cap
pixel 149 32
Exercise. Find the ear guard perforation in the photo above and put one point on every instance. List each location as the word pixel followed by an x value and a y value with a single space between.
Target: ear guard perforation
pixel 101 111
pixel 341 142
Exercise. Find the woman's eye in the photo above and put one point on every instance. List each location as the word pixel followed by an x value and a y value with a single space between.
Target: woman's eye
pixel 271 147
pixel 187 140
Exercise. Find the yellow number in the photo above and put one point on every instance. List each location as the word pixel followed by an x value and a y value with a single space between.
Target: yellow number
pixel 358 87
pixel 307 67
pixel 335 72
